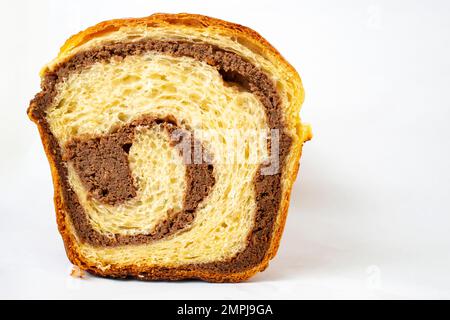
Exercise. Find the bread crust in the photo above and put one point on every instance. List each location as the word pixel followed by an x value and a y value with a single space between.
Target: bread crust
pixel 183 20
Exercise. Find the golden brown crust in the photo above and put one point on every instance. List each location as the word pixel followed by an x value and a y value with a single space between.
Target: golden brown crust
pixel 252 40
pixel 163 19
pixel 246 36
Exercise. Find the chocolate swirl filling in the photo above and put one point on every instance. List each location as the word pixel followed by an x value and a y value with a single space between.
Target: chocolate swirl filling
pixel 102 165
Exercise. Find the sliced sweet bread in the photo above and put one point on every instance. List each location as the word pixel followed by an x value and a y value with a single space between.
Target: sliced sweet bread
pixel 173 141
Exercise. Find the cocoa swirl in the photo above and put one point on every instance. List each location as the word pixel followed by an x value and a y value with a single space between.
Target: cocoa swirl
pixel 102 165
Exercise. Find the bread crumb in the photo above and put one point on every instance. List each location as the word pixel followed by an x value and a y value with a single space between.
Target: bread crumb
pixel 77 272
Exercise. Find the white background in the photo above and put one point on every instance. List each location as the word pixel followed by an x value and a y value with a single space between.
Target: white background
pixel 370 213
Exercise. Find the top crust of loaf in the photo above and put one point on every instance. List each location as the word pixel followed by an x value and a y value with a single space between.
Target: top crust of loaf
pixel 184 21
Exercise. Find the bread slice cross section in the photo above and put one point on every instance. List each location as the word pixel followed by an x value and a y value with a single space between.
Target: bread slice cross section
pixel 174 141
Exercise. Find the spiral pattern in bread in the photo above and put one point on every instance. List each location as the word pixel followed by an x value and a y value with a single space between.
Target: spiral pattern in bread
pixel 174 141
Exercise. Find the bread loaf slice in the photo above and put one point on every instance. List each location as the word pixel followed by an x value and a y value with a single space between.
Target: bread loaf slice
pixel 173 141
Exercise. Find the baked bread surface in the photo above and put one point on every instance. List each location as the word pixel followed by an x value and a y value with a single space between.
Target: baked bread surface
pixel 135 233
